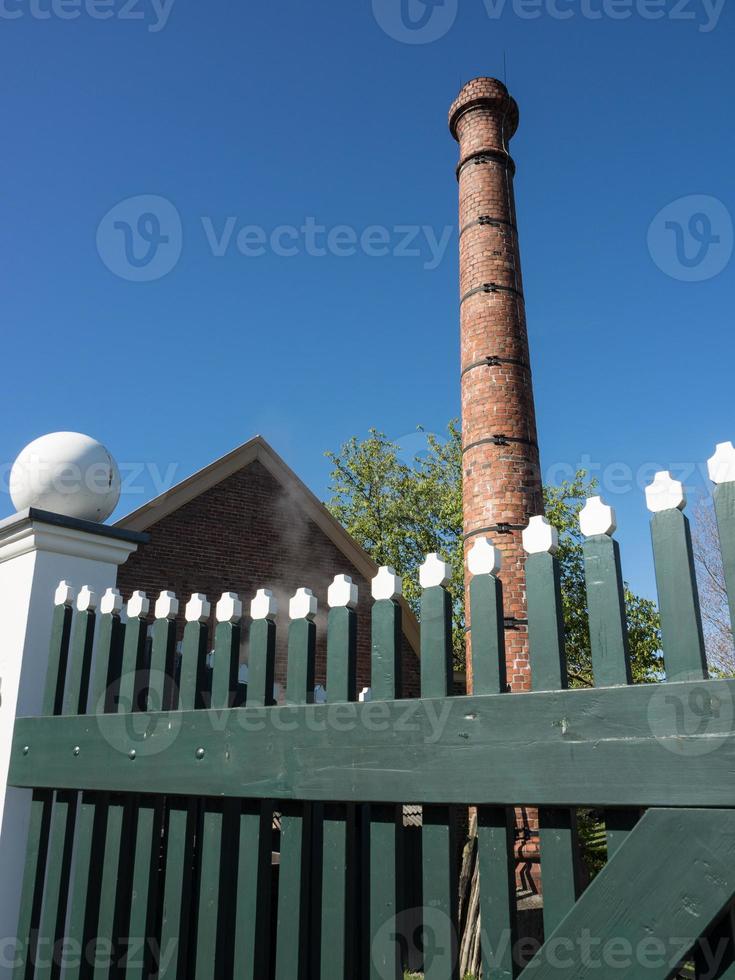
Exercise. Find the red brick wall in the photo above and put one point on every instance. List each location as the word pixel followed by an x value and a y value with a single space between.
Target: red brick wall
pixel 244 534
pixel 501 483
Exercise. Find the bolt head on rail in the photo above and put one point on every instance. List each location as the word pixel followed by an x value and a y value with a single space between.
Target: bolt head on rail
pixel 721 466
pixel 302 605
pixel 483 558
pixel 597 517
pixel 665 493
pixel 263 605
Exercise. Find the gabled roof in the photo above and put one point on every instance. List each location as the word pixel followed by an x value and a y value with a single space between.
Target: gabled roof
pixel 258 449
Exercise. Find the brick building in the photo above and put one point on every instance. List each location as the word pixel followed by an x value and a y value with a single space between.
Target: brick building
pixel 246 522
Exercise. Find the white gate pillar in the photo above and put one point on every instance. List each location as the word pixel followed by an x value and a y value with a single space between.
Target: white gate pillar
pixel 37 550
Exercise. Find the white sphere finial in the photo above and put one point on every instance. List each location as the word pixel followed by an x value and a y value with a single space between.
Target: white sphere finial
pixel 67 473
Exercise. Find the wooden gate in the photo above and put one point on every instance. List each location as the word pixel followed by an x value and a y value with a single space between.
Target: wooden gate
pixel 151 836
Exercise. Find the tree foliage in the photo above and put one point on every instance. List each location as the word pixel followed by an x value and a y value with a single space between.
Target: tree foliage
pixel 400 506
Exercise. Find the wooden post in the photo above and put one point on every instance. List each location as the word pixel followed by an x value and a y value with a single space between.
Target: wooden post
pixel 678 598
pixel 558 843
pixel 181 818
pixel 254 875
pixel 440 877
pixel 495 825
pixel 722 473
pixel 385 821
pixel 214 932
pixel 292 939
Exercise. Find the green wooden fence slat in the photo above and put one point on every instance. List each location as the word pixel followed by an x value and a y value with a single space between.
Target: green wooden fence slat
pixel 387 631
pixel 341 655
pixel 678 598
pixel 177 900
pixel 488 635
pixel 436 642
pixel 33 877
pixel 292 940
pixel 80 664
pixel 92 808
pixel 438 836
pixel 253 907
pixel 606 605
pixel 385 823
pixel 215 909
pixel 635 901
pixel 724 499
pixel 560 863
pixel 253 923
pixel 498 915
pixel 37 847
pixel 495 838
pixel 337 822
pixel 261 663
pixel 618 824
pixel 545 623
pixel 558 842
pixel 114 894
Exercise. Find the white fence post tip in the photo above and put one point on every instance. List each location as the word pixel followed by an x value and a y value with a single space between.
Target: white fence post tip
pixel 366 694
pixel 540 537
pixel 111 603
pixel 483 558
pixel 386 584
pixel 167 606
pixel 302 605
pixel 229 608
pixel 342 592
pixel 721 466
pixel 263 605
pixel 64 595
pixel 597 517
pixel 665 493
pixel 138 605
pixel 434 571
pixel 86 600
pixel 198 609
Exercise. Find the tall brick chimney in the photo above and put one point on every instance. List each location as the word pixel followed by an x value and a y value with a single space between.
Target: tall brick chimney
pixel 501 477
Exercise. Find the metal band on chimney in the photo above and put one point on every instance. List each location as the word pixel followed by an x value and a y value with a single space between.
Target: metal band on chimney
pixel 500 440
pixel 501 528
pixel 493 360
pixel 487 155
pixel 486 219
pixel 492 287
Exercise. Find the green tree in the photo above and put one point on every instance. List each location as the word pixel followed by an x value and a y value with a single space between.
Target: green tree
pixel 400 509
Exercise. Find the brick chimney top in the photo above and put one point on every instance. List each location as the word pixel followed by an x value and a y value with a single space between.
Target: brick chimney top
pixel 485 93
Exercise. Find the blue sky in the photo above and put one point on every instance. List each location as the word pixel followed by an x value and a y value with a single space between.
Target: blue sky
pixel 251 116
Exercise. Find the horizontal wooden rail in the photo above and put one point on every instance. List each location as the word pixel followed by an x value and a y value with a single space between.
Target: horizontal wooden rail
pixel 603 747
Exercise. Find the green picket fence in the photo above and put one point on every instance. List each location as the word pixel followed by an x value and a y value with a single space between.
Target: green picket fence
pixel 150 848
